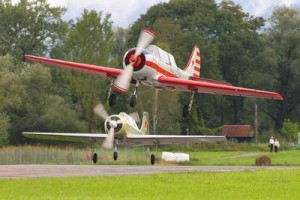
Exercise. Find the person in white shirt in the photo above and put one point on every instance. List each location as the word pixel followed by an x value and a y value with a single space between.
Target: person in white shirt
pixel 271 144
pixel 276 145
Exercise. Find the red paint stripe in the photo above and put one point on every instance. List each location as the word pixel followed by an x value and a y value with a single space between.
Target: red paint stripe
pixel 198 53
pixel 198 62
pixel 197 69
pixel 159 69
pixel 150 31
pixel 118 89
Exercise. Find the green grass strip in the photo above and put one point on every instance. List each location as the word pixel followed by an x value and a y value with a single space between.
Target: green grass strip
pixel 262 184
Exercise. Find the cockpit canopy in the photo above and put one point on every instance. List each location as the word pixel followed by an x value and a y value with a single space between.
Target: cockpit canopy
pixel 162 55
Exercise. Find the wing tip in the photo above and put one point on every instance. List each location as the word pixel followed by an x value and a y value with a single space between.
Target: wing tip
pixel 278 96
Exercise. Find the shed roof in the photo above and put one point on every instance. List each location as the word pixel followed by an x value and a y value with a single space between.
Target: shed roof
pixel 236 131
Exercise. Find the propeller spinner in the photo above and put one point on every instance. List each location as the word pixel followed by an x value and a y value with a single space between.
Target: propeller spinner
pixel 113 124
pixel 122 83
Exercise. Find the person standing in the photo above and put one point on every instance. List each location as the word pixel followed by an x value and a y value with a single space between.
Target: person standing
pixel 276 145
pixel 271 144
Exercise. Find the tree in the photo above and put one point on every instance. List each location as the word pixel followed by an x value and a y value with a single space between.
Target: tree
pixel 279 65
pixel 29 27
pixel 26 105
pixel 289 130
pixel 90 40
pixel 228 40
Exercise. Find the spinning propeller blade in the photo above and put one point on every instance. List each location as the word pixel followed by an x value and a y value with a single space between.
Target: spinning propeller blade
pixel 100 111
pixel 122 83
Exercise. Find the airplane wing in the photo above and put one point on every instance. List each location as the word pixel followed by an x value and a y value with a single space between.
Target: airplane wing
pixel 79 67
pixel 69 137
pixel 214 87
pixel 140 140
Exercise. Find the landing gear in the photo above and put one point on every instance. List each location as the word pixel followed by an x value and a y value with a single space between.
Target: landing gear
pixel 133 100
pixel 153 156
pixel 152 159
pixel 115 155
pixel 95 158
pixel 112 99
pixel 133 97
pixel 186 110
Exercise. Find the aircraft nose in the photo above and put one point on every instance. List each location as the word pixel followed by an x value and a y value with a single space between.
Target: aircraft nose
pixel 113 124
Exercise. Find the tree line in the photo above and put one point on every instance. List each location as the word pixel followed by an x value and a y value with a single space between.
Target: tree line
pixel 244 50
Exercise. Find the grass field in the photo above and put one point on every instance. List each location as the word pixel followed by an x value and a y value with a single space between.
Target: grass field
pixel 139 156
pixel 260 184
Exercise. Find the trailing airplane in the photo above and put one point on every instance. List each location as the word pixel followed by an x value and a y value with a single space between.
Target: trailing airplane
pixel 152 66
pixel 122 129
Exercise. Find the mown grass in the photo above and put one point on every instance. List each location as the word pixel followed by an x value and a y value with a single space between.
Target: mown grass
pixel 262 184
pixel 139 156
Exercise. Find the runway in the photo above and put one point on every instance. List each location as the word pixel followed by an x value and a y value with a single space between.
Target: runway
pixel 35 171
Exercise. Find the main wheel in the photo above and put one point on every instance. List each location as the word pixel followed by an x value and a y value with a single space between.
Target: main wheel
pixel 115 155
pixel 112 100
pixel 133 100
pixel 185 111
pixel 95 158
pixel 152 159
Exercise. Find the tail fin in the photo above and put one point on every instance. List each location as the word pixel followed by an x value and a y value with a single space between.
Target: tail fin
pixel 194 65
pixel 145 124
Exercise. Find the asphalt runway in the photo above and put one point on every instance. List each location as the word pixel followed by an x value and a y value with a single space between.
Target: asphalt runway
pixel 34 171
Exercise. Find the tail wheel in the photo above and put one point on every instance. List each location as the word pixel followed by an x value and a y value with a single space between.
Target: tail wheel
pixel 112 100
pixel 95 158
pixel 133 100
pixel 152 159
pixel 115 155
pixel 185 111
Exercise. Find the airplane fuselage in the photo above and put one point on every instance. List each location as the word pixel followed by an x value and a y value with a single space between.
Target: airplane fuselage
pixel 155 65
pixel 126 125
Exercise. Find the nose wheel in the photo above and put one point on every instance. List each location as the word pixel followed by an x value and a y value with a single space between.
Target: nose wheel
pixel 133 100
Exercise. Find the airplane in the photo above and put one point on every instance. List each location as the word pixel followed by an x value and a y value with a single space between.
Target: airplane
pixel 152 66
pixel 122 129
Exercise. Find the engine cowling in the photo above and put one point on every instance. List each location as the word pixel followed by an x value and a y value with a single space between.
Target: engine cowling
pixel 138 63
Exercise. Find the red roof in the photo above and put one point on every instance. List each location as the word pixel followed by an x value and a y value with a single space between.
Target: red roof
pixel 236 131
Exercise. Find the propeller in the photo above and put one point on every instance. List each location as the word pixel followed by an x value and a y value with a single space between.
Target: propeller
pixel 99 110
pixel 122 83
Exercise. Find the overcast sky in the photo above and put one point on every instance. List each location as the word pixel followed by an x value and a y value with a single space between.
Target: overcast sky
pixel 127 12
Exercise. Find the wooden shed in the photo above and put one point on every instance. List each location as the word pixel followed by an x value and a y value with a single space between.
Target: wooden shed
pixel 241 133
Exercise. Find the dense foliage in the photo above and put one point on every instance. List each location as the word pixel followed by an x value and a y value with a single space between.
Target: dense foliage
pixel 234 48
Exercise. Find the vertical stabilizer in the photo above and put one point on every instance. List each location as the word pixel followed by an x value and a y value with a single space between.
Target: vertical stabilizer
pixel 145 124
pixel 194 64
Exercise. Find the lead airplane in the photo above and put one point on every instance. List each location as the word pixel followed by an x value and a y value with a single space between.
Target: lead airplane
pixel 154 67
pixel 122 129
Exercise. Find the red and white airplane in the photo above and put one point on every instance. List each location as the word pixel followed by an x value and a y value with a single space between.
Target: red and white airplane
pixel 154 67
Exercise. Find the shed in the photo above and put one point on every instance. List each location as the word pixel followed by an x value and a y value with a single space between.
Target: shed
pixel 240 133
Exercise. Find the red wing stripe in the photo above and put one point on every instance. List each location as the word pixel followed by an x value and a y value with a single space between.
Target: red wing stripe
pixel 80 67
pixel 215 88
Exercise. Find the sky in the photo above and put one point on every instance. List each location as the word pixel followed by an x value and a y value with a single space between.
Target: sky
pixel 125 13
